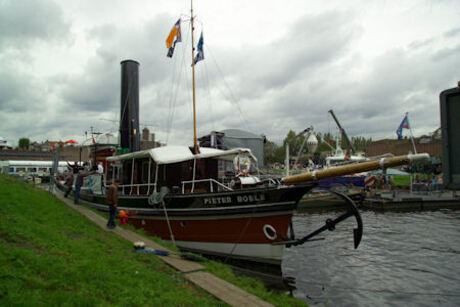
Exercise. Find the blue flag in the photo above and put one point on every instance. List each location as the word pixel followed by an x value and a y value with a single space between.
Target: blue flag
pixel 200 54
pixel 404 124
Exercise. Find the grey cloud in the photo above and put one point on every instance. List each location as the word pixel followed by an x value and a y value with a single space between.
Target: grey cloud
pixel 311 44
pixel 23 22
pixel 419 44
pixel 452 32
pixel 373 106
pixel 97 90
pixel 445 53
pixel 17 95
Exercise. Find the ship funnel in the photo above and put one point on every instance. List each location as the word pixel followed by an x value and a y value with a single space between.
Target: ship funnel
pixel 129 107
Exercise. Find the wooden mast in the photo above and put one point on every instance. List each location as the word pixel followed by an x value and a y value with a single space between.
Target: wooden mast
pixel 195 145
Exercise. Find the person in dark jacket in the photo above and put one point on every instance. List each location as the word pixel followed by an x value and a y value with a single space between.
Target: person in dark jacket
pixel 112 201
pixel 79 183
pixel 73 167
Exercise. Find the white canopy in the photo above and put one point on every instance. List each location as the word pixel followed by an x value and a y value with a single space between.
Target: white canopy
pixel 174 154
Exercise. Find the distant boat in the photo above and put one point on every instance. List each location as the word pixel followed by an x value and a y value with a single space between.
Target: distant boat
pixel 340 158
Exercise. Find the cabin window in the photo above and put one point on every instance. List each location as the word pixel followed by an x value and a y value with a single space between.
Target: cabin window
pixel 43 169
pixel 20 169
pixel 127 168
pixel 225 169
pixel 118 171
pixel 11 169
pixel 145 171
pixel 32 169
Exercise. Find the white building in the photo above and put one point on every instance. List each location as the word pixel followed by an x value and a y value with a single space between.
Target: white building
pixel 4 144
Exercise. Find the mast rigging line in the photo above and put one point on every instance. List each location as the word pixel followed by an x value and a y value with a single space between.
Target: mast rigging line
pixel 207 85
pixel 232 96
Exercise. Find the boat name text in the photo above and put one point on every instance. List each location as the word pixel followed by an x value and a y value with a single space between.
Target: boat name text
pixel 239 199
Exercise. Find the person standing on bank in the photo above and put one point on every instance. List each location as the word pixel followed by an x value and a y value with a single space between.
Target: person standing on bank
pixel 79 183
pixel 68 183
pixel 112 200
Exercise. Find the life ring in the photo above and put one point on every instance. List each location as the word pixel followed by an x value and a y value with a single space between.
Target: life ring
pixel 242 164
pixel 269 232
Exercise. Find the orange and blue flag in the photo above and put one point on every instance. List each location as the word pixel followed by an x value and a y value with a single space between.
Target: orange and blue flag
pixel 173 38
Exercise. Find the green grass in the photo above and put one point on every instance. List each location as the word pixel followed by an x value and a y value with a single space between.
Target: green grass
pixel 401 180
pixel 52 255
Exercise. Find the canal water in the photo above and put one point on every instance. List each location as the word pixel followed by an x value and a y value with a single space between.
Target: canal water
pixel 405 259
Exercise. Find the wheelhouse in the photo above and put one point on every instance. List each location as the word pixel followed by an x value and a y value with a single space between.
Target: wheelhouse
pixel 179 170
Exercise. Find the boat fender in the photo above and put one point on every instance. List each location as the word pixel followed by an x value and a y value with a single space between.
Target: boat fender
pixel 157 197
pixel 269 232
pixel 153 199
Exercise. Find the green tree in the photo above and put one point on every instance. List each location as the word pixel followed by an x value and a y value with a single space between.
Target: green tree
pixel 273 153
pixel 360 143
pixel 328 138
pixel 24 143
pixel 294 143
pixel 269 152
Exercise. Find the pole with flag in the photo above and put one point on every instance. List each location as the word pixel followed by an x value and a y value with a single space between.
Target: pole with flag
pixel 405 125
pixel 195 143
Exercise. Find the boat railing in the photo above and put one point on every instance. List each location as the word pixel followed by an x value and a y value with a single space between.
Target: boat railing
pixel 135 189
pixel 211 186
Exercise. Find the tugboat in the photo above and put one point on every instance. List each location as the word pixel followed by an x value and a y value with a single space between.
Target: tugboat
pixel 187 196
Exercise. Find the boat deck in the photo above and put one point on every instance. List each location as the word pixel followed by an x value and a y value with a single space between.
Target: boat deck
pixel 192 271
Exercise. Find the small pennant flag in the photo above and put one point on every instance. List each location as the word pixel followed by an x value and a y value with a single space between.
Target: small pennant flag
pixel 200 54
pixel 173 38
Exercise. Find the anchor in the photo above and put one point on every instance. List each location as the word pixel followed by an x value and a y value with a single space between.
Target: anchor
pixel 330 225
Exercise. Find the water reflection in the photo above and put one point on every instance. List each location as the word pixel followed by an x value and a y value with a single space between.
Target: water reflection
pixel 404 258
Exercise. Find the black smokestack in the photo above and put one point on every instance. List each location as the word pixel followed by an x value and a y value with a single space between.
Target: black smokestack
pixel 129 112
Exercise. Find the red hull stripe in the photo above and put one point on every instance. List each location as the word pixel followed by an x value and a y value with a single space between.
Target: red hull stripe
pixel 236 230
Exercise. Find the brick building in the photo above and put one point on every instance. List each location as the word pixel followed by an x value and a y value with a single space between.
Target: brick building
pixel 431 146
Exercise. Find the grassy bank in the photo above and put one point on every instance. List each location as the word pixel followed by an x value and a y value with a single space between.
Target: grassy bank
pixel 51 255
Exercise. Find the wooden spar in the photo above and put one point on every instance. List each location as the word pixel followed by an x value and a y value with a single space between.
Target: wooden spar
pixel 195 145
pixel 355 168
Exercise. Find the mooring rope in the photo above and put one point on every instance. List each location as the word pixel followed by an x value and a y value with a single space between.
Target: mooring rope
pixel 167 221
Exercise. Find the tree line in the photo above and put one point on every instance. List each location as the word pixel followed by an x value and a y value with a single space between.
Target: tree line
pixel 326 144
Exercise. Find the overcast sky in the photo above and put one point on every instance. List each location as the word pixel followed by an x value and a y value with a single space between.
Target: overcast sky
pixel 269 66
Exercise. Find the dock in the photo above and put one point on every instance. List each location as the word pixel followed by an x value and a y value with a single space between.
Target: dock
pixel 407 201
pixel 192 271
